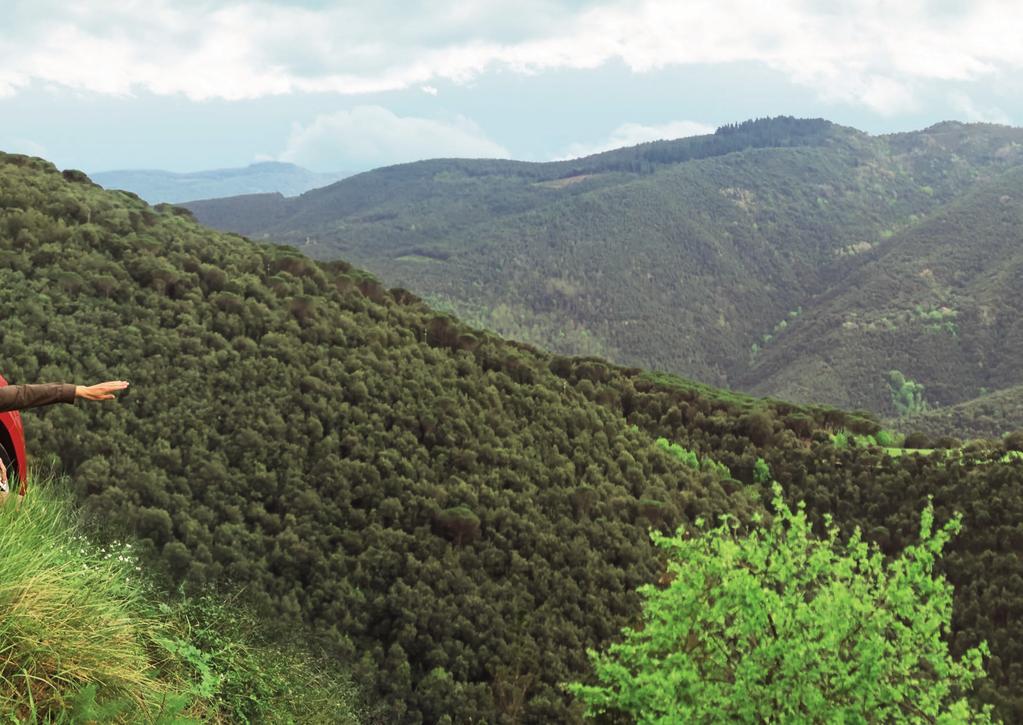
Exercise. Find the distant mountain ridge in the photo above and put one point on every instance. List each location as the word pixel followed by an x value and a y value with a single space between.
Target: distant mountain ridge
pixel 157 186
pixel 730 257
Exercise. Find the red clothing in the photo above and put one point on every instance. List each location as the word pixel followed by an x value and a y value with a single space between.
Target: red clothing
pixel 19 397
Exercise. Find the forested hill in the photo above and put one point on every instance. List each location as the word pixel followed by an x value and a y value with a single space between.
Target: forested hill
pixel 940 303
pixel 457 516
pixel 983 417
pixel 700 256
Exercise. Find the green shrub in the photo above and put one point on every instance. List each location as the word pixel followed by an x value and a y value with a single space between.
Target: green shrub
pixel 779 626
pixel 761 471
pixel 1013 441
pixel 917 439
pixel 886 438
pixel 907 395
pixel 238 673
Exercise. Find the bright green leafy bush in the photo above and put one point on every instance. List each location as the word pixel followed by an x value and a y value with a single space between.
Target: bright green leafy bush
pixel 778 625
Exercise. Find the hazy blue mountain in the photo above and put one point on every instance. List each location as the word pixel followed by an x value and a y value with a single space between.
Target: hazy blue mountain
pixel 156 186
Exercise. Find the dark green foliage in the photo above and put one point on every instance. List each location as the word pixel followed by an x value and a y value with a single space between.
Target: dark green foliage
pixel 305 431
pixel 459 524
pixel 960 262
pixel 413 490
pixel 1014 441
pixel 917 440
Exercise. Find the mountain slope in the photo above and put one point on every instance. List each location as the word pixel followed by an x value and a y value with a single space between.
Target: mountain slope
pixel 987 416
pixel 940 303
pixel 457 516
pixel 442 508
pixel 687 256
pixel 165 186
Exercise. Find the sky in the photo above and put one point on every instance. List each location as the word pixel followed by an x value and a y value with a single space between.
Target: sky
pixel 187 85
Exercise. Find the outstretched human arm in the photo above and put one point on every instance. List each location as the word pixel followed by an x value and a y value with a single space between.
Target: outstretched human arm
pixel 19 397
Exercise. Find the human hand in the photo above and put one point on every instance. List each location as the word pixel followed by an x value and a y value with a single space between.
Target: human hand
pixel 100 391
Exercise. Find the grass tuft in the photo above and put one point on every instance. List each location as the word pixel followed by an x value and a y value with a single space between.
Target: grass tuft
pixel 86 637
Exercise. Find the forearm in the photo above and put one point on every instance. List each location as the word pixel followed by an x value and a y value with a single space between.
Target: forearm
pixel 19 397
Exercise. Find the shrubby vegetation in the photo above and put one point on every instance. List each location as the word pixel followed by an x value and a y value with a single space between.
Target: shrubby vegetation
pixel 777 625
pixel 456 516
pixel 442 509
pixel 907 395
pixel 86 637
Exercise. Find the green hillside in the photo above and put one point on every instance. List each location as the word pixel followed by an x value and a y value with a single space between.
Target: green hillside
pixel 457 517
pixel 437 504
pixel 987 416
pixel 939 303
pixel 698 256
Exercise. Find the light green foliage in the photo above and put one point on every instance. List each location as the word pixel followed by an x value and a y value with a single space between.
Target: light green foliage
pixel 938 319
pixel 761 471
pixel 907 395
pixel 886 438
pixel 779 626
pixel 688 457
pixel 685 455
pixel 234 674
pixel 779 328
pixel 840 439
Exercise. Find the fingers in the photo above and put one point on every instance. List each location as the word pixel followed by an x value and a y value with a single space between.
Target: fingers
pixel 104 391
pixel 112 385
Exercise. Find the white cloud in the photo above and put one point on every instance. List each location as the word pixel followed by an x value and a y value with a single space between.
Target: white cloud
pixel 972 112
pixel 860 51
pixel 429 90
pixel 371 136
pixel 23 146
pixel 630 134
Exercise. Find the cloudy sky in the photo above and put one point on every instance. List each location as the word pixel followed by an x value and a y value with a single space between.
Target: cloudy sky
pixel 197 84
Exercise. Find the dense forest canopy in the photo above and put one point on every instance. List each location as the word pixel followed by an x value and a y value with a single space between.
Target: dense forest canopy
pixel 785 257
pixel 457 516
